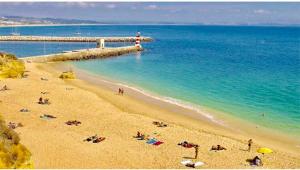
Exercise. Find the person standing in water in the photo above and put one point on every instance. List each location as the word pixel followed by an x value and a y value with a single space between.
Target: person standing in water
pixel 250 142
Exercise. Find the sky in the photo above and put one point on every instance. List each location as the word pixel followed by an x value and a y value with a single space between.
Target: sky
pixel 228 13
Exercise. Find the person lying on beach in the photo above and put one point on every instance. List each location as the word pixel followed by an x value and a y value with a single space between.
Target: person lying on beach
pixel 189 163
pixel 90 138
pixel 69 88
pixel 100 139
pixel 46 116
pixel 46 101
pixel 24 110
pixel 74 122
pixel 186 144
pixel 217 148
pixel 44 79
pixel 44 92
pixel 95 139
pixel 159 124
pixel 4 88
pixel 256 161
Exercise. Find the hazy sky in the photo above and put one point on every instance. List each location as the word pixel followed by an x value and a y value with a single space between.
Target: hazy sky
pixel 179 12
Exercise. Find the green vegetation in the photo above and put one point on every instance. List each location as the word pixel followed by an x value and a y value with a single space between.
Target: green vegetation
pixel 67 75
pixel 10 66
pixel 12 153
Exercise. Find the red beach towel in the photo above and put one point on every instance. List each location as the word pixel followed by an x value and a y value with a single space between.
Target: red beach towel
pixel 158 143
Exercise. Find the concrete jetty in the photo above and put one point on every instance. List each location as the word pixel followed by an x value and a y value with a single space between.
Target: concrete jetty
pixel 83 54
pixel 72 39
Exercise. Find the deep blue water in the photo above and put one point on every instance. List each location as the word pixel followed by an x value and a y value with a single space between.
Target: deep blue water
pixel 241 71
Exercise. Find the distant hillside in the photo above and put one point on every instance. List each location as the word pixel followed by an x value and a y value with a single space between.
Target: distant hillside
pixel 19 20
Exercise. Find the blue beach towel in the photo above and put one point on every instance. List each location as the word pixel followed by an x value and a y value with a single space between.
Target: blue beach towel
pixel 151 141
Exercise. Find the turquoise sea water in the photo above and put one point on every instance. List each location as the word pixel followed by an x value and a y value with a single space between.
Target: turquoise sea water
pixel 241 71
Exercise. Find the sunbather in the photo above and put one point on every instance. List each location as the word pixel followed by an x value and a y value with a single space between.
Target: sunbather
pixel 46 101
pixel 155 122
pixel 218 148
pixel 91 138
pixel 12 125
pixel 138 134
pixel 186 144
pixel 47 116
pixel 44 79
pixel 24 110
pixel 4 88
pixel 162 124
pixel 159 124
pixel 74 122
pixel 100 139
pixel 256 161
pixel 40 101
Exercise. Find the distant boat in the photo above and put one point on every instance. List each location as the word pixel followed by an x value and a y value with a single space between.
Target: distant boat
pixel 78 31
pixel 14 32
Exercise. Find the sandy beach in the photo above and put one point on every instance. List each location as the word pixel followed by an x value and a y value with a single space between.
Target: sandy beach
pixel 118 118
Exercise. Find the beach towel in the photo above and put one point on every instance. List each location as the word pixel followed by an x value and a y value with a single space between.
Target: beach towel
pixel 151 141
pixel 186 162
pixel 199 163
pixel 158 143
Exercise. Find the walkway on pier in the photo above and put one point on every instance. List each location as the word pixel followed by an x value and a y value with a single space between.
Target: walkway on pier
pixel 83 54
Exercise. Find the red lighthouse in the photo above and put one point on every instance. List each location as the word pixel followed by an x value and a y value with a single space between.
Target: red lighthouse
pixel 138 40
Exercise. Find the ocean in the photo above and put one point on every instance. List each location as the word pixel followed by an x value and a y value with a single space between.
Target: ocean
pixel 242 71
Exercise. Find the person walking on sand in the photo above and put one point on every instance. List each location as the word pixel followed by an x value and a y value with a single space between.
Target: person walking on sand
pixel 196 151
pixel 250 142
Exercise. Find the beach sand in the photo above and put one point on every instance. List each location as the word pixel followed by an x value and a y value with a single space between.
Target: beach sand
pixel 118 118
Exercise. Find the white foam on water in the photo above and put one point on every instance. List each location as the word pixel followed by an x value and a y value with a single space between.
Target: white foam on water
pixel 177 102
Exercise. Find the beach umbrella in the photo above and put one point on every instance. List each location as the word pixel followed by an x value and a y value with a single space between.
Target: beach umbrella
pixel 264 150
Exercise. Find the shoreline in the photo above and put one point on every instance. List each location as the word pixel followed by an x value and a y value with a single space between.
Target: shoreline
pixel 54 144
pixel 203 114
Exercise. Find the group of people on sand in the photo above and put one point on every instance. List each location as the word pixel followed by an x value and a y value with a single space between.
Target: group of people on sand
pixel 256 161
pixel 43 101
pixel 121 91
pixel 151 141
pixel 13 125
